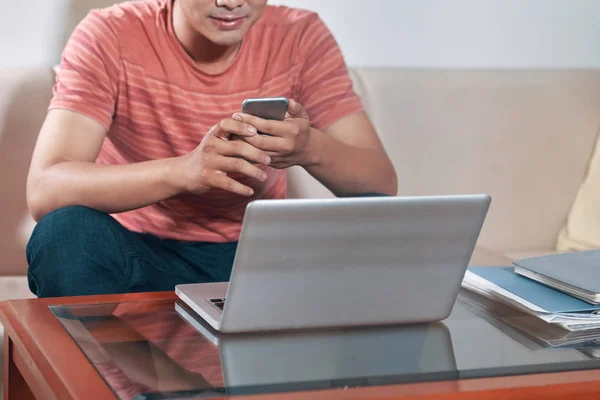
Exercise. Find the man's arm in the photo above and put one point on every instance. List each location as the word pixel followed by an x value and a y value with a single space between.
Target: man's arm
pixel 348 158
pixel 63 170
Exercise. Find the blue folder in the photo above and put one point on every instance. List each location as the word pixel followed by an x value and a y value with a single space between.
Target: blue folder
pixel 553 301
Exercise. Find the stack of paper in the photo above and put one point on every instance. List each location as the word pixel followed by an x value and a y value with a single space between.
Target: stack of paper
pixel 531 332
pixel 547 304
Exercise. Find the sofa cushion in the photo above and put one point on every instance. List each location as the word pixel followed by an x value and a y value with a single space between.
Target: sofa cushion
pixel 522 136
pixel 14 287
pixel 582 229
pixel 485 257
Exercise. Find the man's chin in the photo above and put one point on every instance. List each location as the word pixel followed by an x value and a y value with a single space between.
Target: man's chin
pixel 230 38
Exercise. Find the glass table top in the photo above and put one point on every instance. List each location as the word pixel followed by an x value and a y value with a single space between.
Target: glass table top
pixel 161 350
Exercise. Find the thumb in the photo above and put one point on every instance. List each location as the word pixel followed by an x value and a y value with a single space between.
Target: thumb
pixel 295 109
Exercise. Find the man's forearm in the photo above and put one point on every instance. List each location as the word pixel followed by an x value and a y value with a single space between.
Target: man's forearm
pixel 348 170
pixel 107 188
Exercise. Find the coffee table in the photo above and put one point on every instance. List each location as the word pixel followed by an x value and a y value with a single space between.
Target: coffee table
pixel 140 346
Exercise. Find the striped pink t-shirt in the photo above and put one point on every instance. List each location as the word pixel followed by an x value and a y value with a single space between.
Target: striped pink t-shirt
pixel 124 67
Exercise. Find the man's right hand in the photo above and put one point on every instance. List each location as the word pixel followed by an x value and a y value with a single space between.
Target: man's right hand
pixel 64 172
pixel 209 164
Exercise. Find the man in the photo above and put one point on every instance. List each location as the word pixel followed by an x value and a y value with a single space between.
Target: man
pixel 144 166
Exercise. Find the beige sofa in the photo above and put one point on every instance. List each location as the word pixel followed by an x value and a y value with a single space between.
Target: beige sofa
pixel 524 137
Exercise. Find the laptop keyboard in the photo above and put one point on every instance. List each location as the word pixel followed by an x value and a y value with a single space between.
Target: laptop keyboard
pixel 219 303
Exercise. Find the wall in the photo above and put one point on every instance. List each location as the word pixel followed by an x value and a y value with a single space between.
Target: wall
pixel 33 33
pixel 27 31
pixel 463 33
pixel 412 33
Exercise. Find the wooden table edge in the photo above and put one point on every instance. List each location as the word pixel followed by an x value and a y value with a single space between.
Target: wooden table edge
pixel 46 365
pixel 43 365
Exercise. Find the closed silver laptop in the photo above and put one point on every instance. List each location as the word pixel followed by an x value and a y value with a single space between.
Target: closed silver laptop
pixel 319 263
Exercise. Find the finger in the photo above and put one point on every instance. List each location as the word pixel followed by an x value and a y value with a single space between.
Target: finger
pixel 268 144
pixel 295 110
pixel 279 162
pixel 231 164
pixel 240 148
pixel 268 126
pixel 216 131
pixel 222 181
pixel 229 126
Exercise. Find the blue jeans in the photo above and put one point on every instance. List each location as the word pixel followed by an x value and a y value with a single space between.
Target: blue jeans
pixel 76 251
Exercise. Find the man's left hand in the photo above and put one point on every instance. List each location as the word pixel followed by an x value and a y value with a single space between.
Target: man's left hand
pixel 287 141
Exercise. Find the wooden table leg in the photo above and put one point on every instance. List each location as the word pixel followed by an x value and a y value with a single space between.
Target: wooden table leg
pixel 15 387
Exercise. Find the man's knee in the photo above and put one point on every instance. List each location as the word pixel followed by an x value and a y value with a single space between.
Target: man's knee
pixel 65 226
pixel 61 245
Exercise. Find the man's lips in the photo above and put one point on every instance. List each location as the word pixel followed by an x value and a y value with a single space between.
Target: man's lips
pixel 228 23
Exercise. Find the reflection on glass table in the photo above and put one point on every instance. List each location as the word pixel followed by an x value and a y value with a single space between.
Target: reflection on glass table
pixel 350 357
pixel 160 350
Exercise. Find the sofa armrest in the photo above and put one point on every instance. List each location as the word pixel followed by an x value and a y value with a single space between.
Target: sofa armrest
pixel 24 98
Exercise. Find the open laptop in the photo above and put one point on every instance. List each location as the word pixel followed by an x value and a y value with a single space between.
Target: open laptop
pixel 322 263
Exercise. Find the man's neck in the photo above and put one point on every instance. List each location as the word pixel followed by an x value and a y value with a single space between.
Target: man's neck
pixel 210 57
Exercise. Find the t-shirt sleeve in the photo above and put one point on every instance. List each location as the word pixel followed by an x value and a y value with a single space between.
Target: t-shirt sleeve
pixel 87 79
pixel 326 90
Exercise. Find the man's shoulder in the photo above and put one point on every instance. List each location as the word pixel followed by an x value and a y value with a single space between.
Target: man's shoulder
pixel 288 17
pixel 121 18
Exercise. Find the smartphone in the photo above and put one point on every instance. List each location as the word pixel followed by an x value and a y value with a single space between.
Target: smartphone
pixel 266 107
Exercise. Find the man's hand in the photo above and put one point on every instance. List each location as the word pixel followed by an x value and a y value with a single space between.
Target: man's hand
pixel 210 163
pixel 286 142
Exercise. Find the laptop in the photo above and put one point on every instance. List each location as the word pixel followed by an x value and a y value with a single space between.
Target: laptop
pixel 324 263
pixel 323 359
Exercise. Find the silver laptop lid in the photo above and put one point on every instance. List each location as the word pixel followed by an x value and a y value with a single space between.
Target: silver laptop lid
pixel 346 262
